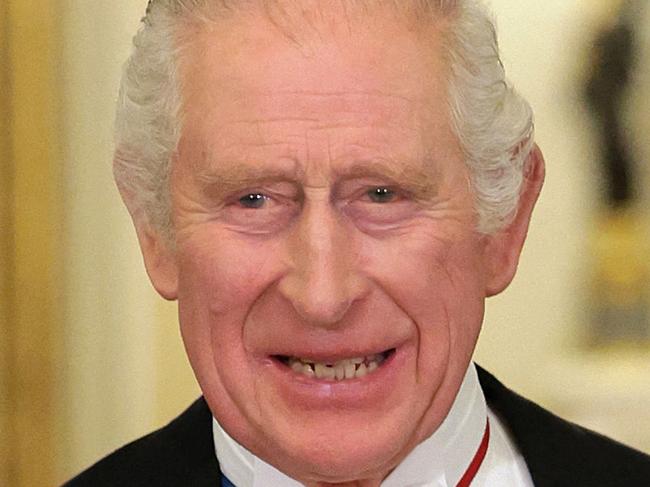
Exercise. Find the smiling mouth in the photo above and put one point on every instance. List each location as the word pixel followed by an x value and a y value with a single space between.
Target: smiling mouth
pixel 345 369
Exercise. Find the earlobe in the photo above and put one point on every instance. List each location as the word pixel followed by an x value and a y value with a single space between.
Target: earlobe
pixel 503 248
pixel 159 260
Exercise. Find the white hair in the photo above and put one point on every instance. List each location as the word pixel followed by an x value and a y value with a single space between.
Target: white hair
pixel 493 123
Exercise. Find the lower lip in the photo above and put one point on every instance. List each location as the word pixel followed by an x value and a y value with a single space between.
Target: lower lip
pixel 356 393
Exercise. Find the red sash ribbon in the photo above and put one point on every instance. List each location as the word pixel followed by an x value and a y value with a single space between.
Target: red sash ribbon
pixel 476 462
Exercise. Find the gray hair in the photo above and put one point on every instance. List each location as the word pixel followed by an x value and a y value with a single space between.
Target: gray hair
pixel 493 123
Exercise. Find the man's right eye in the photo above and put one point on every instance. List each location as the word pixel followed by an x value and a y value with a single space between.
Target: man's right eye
pixel 253 200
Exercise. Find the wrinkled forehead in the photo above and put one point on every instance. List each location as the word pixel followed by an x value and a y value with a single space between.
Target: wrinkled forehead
pixel 373 83
pixel 330 50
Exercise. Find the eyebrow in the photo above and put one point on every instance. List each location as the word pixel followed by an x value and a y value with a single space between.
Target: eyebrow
pixel 226 179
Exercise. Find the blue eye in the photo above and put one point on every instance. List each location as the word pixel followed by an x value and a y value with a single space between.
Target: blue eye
pixel 253 200
pixel 381 195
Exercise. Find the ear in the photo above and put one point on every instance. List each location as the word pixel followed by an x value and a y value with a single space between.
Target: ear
pixel 503 248
pixel 159 260
pixel 159 257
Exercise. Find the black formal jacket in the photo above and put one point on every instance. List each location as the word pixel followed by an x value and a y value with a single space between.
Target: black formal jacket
pixel 557 453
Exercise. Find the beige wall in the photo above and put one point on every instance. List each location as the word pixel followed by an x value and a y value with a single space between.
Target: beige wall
pixel 125 368
pixel 30 232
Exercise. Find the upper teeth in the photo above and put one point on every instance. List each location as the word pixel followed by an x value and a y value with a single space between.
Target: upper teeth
pixel 343 369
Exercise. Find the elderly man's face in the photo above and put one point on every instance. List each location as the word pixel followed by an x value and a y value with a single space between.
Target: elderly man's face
pixel 325 226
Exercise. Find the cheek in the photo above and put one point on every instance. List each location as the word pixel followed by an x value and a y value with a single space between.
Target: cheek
pixel 220 279
pixel 439 285
pixel 222 273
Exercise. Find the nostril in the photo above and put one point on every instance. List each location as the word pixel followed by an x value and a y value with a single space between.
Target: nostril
pixel 323 296
pixel 318 306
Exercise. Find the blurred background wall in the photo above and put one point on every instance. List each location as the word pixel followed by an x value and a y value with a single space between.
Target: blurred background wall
pixel 31 212
pixel 93 358
pixel 537 333
pixel 125 372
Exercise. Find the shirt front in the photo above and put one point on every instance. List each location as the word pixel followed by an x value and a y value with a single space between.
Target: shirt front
pixel 439 461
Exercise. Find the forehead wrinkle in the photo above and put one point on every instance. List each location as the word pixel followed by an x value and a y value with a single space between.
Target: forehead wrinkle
pixel 350 107
pixel 350 100
pixel 280 106
pixel 339 93
pixel 344 119
pixel 272 119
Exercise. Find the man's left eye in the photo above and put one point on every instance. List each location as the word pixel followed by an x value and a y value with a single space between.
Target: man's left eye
pixel 381 195
pixel 253 200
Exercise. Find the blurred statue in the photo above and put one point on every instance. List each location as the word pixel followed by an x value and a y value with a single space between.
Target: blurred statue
pixel 621 276
pixel 614 57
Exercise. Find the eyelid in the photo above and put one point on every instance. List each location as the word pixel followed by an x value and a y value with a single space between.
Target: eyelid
pixel 354 186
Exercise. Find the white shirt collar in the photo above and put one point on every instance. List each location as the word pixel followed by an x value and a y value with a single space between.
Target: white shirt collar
pixel 440 460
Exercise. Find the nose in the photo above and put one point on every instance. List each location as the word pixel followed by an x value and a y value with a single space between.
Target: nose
pixel 323 280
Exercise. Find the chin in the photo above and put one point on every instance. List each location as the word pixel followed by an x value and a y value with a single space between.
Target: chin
pixel 339 455
pixel 333 469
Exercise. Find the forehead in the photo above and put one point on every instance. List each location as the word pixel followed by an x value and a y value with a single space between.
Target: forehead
pixel 380 76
